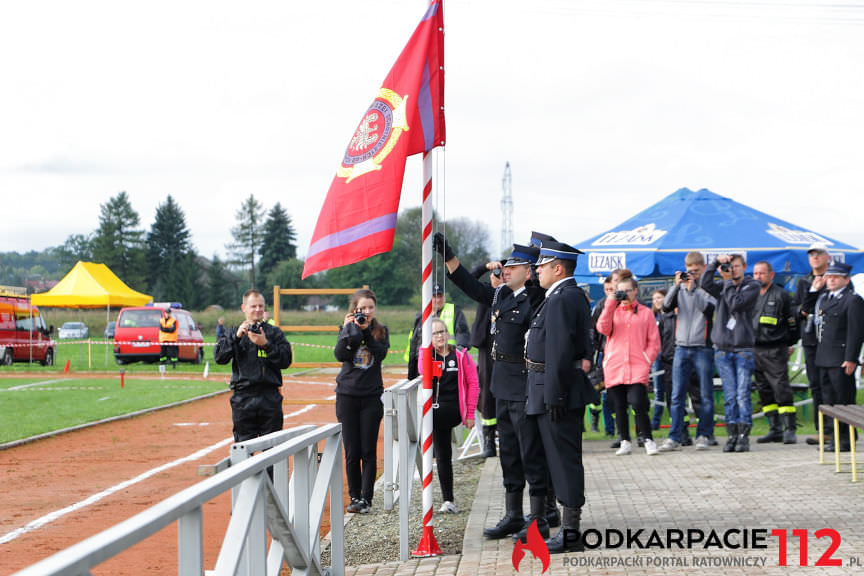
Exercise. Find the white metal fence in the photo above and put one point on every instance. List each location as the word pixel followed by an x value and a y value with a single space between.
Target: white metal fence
pixel 288 505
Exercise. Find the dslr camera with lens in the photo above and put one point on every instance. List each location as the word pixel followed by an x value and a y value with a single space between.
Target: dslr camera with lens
pixel 620 295
pixel 684 276
pixel 360 317
pixel 497 272
pixel 725 267
pixel 255 328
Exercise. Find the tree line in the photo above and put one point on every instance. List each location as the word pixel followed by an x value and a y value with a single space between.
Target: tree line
pixel 262 252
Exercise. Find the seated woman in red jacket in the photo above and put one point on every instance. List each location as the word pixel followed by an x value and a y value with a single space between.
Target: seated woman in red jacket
pixel 454 399
pixel 632 344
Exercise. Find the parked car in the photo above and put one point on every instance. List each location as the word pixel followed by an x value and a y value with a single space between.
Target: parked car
pixel 109 330
pixel 73 331
pixel 23 332
pixel 136 337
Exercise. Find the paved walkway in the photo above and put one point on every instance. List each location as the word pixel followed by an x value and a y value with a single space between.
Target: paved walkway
pixel 774 487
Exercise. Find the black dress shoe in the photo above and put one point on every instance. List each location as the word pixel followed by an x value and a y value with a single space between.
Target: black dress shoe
pixel 812 441
pixel 616 444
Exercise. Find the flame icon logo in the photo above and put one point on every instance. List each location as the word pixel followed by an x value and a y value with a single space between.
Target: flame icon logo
pixel 534 544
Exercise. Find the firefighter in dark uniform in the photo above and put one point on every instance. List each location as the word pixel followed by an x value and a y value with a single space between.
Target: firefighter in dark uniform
pixel 520 449
pixel 258 353
pixel 819 258
pixel 839 318
pixel 482 340
pixel 557 355
pixel 776 330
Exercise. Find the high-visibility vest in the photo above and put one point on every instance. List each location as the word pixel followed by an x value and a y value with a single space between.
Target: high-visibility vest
pixel 169 324
pixel 447 314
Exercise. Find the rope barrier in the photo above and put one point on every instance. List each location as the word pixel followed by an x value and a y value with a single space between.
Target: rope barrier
pixel 149 343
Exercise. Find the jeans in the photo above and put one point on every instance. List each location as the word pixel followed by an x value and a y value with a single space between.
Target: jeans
pixel 662 391
pixel 687 359
pixel 608 419
pixel 736 371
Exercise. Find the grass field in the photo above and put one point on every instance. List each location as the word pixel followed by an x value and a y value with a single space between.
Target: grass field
pixel 32 406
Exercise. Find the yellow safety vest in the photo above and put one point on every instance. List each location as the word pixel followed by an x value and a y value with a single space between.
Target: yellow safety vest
pixel 447 314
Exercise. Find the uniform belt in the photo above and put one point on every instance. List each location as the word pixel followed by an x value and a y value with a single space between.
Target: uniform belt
pixel 498 357
pixel 535 366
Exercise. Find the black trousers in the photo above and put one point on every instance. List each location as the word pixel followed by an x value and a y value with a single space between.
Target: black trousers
pixel 360 417
pixel 510 414
pixel 771 373
pixel 562 444
pixel 814 379
pixel 486 401
pixel 838 388
pixel 444 419
pixel 635 395
pixel 256 412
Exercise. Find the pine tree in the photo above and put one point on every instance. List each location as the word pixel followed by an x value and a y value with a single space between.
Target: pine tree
pixel 173 269
pixel 221 290
pixel 118 241
pixel 279 240
pixel 247 235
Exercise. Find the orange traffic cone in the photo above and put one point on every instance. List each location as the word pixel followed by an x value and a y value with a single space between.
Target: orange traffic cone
pixel 66 369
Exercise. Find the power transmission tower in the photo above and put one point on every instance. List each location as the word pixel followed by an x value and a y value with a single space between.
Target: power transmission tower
pixel 506 211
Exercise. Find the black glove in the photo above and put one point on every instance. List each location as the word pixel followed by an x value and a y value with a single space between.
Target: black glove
pixel 439 244
pixel 556 413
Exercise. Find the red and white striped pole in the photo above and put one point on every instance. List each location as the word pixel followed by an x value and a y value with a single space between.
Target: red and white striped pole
pixel 428 546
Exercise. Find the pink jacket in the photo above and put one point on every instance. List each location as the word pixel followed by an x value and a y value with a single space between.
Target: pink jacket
pixel 632 342
pixel 469 383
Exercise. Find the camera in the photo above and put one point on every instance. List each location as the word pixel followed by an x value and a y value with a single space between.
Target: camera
pixel 620 295
pixel 359 317
pixel 255 328
pixel 685 276
pixel 497 272
pixel 725 267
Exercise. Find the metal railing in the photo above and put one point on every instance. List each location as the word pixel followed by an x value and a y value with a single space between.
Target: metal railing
pixel 401 450
pixel 289 507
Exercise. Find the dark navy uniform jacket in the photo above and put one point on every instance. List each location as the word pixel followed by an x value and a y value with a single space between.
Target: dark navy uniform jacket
pixel 512 316
pixel 842 326
pixel 559 339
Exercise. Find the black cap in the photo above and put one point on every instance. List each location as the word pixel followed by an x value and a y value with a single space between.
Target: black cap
pixel 538 238
pixel 522 255
pixel 838 269
pixel 550 251
pixel 437 289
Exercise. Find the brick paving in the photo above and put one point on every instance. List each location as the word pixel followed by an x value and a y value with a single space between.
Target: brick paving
pixel 773 487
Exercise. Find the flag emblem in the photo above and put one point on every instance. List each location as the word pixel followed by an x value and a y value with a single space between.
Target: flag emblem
pixel 376 135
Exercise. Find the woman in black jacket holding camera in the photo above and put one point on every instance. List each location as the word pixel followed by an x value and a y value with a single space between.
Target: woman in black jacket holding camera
pixel 362 347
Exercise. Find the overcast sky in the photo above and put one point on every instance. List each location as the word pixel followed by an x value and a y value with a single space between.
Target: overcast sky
pixel 602 107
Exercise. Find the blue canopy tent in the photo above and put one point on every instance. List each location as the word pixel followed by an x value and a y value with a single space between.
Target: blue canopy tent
pixel 655 241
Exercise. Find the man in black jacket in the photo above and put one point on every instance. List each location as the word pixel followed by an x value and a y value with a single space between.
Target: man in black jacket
pixel 733 339
pixel 482 340
pixel 839 319
pixel 558 355
pixel 819 259
pixel 258 353
pixel 776 330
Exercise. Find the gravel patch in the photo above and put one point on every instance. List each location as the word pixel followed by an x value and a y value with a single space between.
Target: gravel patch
pixel 373 538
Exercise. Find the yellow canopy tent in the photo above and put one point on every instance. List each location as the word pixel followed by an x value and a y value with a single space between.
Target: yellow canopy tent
pixel 90 285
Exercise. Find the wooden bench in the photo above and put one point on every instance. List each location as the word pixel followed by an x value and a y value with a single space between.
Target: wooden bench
pixel 851 415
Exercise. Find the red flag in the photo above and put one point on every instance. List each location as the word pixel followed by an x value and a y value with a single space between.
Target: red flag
pixel 358 219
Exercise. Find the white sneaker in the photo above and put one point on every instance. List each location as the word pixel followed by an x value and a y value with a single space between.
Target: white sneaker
pixel 449 507
pixel 626 448
pixel 650 447
pixel 669 445
pixel 701 443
